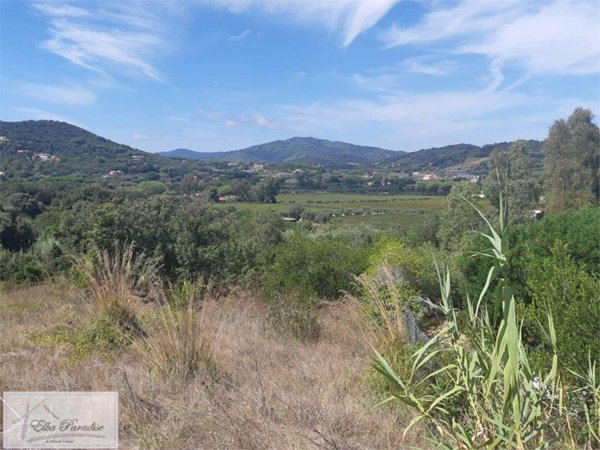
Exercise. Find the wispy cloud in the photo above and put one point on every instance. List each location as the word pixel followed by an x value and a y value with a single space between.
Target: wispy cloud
pixel 61 10
pixel 258 121
pixel 427 66
pixel 140 137
pixel 106 38
pixel 348 17
pixel 61 94
pixel 238 37
pixel 558 37
pixel 393 79
pixel 410 121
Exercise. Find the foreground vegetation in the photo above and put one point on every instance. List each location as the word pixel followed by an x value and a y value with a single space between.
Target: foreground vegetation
pixel 485 316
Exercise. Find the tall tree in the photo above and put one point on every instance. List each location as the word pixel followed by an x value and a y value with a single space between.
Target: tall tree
pixel 510 172
pixel 572 156
pixel 459 217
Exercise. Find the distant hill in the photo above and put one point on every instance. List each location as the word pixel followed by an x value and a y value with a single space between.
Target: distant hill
pixel 333 154
pixel 80 152
pixel 76 150
pixel 298 150
pixel 455 155
pixel 191 154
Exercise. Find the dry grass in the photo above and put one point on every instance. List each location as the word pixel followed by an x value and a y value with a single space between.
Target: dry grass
pixel 267 392
pixel 179 343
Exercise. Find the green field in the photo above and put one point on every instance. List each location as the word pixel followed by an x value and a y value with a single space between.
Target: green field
pixel 385 212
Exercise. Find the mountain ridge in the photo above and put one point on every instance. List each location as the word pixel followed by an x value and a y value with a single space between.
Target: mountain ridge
pixel 434 157
pixel 298 150
pixel 74 144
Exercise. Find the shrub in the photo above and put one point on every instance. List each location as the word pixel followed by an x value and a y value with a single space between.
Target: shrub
pixel 413 265
pixel 315 267
pixel 553 265
pixel 20 267
pixel 557 284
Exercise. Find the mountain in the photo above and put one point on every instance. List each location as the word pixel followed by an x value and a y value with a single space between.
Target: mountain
pixel 191 154
pixel 298 150
pixel 61 138
pixel 70 150
pixel 77 151
pixel 456 155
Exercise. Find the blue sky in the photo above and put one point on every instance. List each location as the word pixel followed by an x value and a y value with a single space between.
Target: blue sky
pixel 225 74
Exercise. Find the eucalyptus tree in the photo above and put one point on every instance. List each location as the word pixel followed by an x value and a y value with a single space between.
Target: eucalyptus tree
pixel 571 163
pixel 511 172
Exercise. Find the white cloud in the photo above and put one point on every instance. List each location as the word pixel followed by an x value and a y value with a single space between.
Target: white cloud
pixel 348 17
pixel 64 10
pixel 238 37
pixel 558 37
pixel 393 79
pixel 65 95
pixel 425 66
pixel 107 39
pixel 140 137
pixel 411 121
pixel 562 37
pixel 257 120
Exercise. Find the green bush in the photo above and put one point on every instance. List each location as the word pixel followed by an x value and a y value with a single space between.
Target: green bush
pixel 316 267
pixel 20 267
pixel 557 284
pixel 414 265
pixel 554 265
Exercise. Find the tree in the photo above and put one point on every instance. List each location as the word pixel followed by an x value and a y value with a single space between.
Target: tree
pixel 458 216
pixel 266 191
pixel 572 156
pixel 242 189
pixel 510 172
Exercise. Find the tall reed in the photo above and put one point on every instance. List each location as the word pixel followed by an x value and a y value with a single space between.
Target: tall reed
pixel 482 391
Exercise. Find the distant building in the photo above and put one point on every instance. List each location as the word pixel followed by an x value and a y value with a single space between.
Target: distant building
pixel 227 198
pixel 3 139
pixel 114 173
pixel 44 157
pixel 430 177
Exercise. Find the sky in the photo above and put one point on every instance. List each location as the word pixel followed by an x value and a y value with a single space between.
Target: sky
pixel 213 75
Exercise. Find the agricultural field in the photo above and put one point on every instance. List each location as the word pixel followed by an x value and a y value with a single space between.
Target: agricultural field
pixel 381 212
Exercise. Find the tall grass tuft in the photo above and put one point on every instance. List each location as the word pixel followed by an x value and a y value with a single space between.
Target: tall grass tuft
pixel 385 298
pixel 483 392
pixel 117 285
pixel 179 342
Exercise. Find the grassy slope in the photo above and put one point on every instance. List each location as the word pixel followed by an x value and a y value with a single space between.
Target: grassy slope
pixel 271 391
